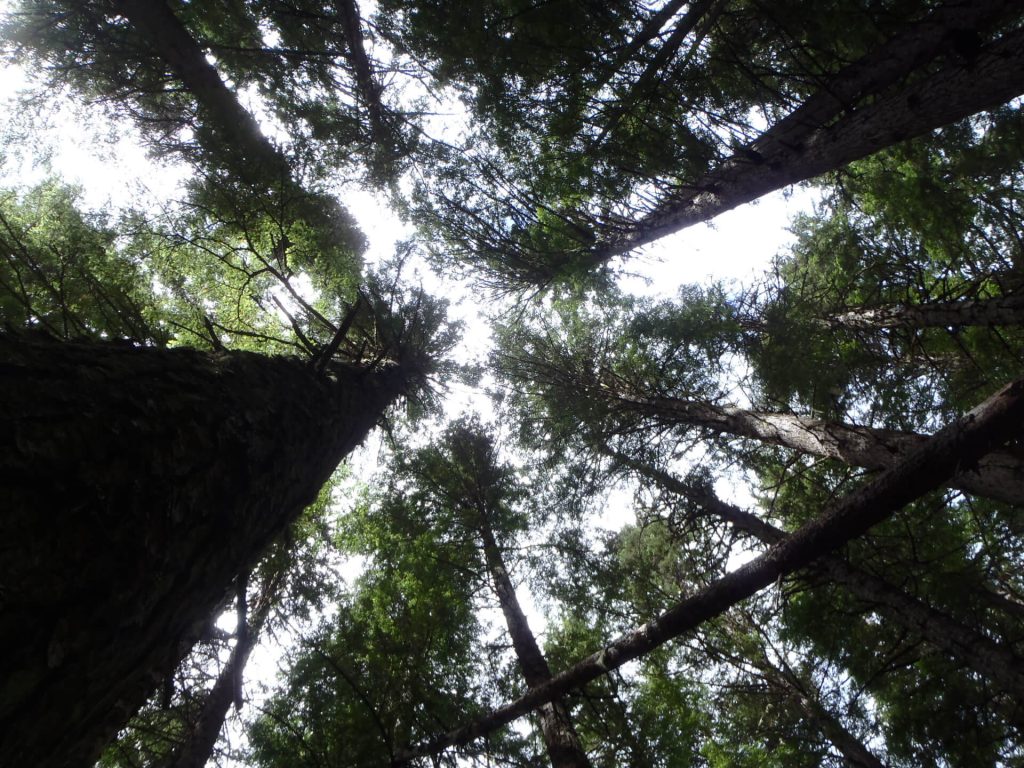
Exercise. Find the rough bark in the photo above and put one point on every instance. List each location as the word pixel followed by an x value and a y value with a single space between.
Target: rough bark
pixel 997 420
pixel 560 738
pixel 999 310
pixel 1000 475
pixel 985 656
pixel 826 133
pixel 135 484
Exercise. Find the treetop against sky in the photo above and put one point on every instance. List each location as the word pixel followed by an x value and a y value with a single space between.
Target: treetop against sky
pixel 644 492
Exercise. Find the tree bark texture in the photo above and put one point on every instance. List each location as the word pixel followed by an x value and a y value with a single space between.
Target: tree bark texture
pixel 826 132
pixel 560 737
pixel 926 467
pixel 1000 310
pixel 135 485
pixel 975 650
pixel 1000 475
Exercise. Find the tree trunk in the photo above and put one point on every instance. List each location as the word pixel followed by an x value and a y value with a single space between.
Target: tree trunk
pixel 988 658
pixel 998 419
pixel 795 688
pixel 256 160
pixel 367 86
pixel 135 484
pixel 826 133
pixel 198 745
pixel 1001 310
pixel 1000 475
pixel 560 738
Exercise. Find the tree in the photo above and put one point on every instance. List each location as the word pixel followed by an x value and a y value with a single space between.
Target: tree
pixel 151 486
pixel 180 468
pixel 643 380
pixel 994 661
pixel 555 197
pixel 991 423
pixel 466 477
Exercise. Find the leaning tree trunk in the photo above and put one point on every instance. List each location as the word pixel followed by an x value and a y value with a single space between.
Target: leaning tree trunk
pixel 998 310
pixel 798 690
pixel 987 657
pixel 198 744
pixel 135 484
pixel 829 131
pixel 1000 475
pixel 560 738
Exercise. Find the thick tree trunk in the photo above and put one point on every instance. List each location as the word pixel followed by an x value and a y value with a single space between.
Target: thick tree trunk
pixel 999 475
pixel 135 484
pixel 1001 310
pixel 988 658
pixel 998 419
pixel 560 738
pixel 826 133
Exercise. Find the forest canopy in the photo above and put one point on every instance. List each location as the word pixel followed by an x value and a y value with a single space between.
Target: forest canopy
pixel 260 505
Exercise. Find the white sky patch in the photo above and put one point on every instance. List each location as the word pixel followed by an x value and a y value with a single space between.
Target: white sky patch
pixel 738 245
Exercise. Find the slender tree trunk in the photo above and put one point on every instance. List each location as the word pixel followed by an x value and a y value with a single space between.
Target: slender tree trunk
pixel 646 34
pixel 797 690
pixel 258 160
pixel 560 738
pixel 135 484
pixel 998 419
pixel 367 85
pixel 999 475
pixel 694 15
pixel 988 658
pixel 198 747
pixel 826 134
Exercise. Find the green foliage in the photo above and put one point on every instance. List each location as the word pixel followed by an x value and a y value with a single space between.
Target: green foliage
pixel 63 271
pixel 924 224
pixel 584 117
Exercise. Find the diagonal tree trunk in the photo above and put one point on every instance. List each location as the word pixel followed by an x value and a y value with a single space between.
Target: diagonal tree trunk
pixel 258 160
pixel 999 310
pixel 800 691
pixel 368 87
pixel 998 419
pixel 747 649
pixel 825 133
pixel 695 15
pixel 198 746
pixel 988 658
pixel 1000 475
pixel 249 154
pixel 560 738
pixel 135 484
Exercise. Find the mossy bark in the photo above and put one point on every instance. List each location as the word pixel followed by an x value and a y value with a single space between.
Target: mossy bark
pixel 135 484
